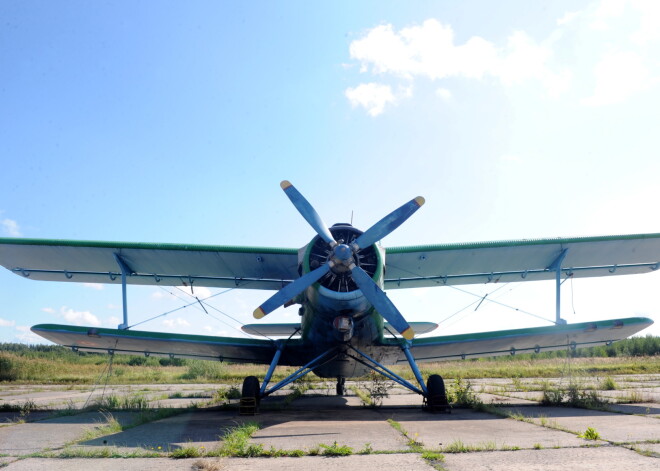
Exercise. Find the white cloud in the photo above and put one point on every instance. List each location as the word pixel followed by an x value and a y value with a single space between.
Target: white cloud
pixel 6 323
pixel 511 158
pixel 568 18
pixel 178 322
pixel 444 94
pixel 79 317
pixel 649 29
pixel 49 310
pixel 619 75
pixel 25 335
pixel 606 52
pixel 96 286
pixel 428 51
pixel 10 227
pixel 372 96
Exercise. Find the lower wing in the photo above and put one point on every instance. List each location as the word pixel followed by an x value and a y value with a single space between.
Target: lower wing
pixel 92 339
pixel 533 340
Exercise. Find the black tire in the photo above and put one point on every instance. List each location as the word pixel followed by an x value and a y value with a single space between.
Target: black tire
pixel 437 394
pixel 251 388
pixel 341 386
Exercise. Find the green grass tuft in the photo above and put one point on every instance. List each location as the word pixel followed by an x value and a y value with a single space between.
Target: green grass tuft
pixel 336 450
pixel 590 434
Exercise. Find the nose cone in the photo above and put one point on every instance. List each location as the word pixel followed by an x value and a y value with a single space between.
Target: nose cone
pixel 343 253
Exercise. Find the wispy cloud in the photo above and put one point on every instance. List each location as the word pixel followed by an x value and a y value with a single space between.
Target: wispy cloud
pixel 371 96
pixel 96 286
pixel 177 322
pixel 619 75
pixel 605 53
pixel 10 228
pixel 79 317
pixel 6 323
pixel 429 51
pixel 25 335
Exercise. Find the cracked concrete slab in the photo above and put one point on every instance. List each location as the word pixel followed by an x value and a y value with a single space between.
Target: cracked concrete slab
pixel 610 425
pixel 318 463
pixel 480 430
pixel 575 459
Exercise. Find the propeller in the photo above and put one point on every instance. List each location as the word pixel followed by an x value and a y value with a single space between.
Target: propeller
pixel 308 212
pixel 342 259
pixel 381 302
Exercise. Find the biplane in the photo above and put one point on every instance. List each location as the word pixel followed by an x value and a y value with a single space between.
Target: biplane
pixel 348 325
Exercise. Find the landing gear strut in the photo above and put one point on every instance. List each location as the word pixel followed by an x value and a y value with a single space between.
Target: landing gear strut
pixel 341 386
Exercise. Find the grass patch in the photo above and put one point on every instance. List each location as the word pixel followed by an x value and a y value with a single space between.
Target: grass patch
pixel 110 426
pixel 413 442
pixel 189 451
pixel 336 450
pixel 590 434
pixel 236 442
pixel 573 396
pixel 377 389
pixel 460 393
pixel 608 384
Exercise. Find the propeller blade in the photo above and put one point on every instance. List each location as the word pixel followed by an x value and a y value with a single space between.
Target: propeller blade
pixel 308 212
pixel 290 291
pixel 381 302
pixel 388 223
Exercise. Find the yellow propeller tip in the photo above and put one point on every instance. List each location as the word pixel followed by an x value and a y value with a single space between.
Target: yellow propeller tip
pixel 408 334
pixel 420 200
pixel 285 184
pixel 258 313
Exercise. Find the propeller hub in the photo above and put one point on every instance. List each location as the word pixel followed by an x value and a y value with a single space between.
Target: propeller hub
pixel 342 259
pixel 343 253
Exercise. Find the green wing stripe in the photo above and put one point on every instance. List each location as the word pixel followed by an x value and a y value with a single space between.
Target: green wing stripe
pixel 158 344
pixel 146 245
pixel 149 264
pixel 515 243
pixel 521 260
pixel 537 339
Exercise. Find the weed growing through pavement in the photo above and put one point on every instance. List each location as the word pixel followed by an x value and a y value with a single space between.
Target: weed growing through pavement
pixel 336 450
pixel 608 384
pixel 590 434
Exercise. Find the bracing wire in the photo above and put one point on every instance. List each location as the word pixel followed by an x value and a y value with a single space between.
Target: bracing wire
pixel 203 303
pixel 199 304
pixel 440 283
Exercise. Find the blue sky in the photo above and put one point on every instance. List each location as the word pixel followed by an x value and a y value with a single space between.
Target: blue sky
pixel 171 122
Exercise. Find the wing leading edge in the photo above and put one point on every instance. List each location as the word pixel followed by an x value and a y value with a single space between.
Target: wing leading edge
pixel 532 340
pixel 137 342
pixel 520 260
pixel 150 264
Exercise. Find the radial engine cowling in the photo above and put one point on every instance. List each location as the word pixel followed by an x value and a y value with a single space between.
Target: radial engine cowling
pixel 337 292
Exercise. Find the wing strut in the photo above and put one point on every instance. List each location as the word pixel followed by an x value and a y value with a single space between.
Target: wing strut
pixel 556 266
pixel 125 270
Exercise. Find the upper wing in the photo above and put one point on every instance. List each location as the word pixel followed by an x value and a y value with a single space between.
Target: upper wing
pixel 165 264
pixel 522 260
pixel 534 340
pixel 230 349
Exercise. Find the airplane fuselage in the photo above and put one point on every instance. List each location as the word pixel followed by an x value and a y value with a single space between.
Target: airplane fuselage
pixel 335 313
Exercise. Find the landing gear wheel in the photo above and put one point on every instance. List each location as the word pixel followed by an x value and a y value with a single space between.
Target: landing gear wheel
pixel 250 396
pixel 436 400
pixel 341 386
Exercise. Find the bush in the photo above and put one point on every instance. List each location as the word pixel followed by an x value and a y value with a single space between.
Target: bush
pixel 204 369
pixel 8 370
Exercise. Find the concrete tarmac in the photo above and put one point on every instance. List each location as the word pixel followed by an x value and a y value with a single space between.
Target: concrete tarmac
pixel 511 432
